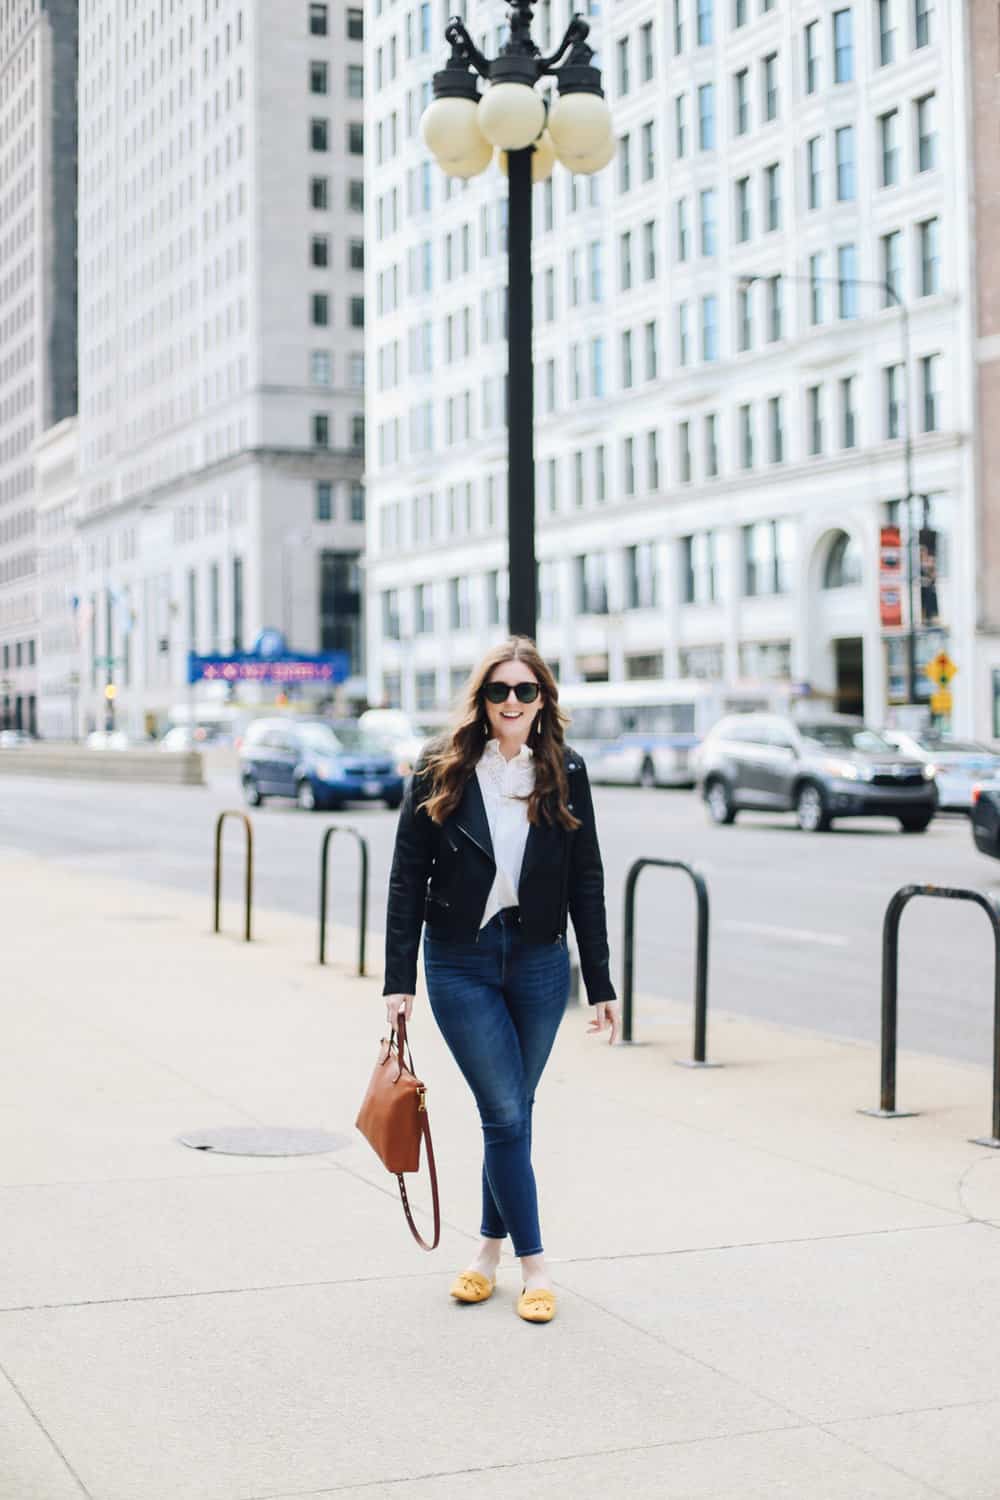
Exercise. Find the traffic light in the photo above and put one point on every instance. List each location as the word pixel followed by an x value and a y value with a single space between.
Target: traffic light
pixel 110 692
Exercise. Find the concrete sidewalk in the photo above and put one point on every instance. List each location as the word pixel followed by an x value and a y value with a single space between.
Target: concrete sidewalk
pixel 761 1292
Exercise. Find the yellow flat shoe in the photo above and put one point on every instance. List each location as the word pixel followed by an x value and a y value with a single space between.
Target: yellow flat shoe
pixel 472 1286
pixel 538 1306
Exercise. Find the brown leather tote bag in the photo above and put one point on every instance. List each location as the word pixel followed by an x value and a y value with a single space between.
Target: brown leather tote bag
pixel 393 1119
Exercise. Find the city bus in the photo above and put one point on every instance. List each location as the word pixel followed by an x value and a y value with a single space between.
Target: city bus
pixel 645 733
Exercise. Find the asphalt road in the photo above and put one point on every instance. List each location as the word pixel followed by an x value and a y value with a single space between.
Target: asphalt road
pixel 796 918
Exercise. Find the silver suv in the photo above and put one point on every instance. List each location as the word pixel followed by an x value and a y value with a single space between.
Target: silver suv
pixel 819 769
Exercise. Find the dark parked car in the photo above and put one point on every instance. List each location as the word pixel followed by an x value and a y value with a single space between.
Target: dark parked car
pixel 986 819
pixel 316 766
pixel 819 769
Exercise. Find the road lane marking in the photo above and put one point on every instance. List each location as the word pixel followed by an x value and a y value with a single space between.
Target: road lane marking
pixel 790 934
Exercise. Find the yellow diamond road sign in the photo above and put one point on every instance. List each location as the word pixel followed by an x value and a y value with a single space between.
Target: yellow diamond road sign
pixel 940 669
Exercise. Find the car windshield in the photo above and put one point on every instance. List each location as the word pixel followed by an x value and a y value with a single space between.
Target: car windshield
pixel 846 737
pixel 321 738
pixel 943 745
pixel 363 742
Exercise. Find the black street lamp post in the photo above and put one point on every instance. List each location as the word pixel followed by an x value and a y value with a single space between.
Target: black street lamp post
pixel 529 132
pixel 894 300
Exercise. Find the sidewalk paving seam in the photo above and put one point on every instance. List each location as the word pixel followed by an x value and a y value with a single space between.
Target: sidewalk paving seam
pixel 886 1462
pixel 20 1396
pixel 537 1463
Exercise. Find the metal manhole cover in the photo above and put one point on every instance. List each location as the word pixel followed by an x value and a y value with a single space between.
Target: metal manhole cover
pixel 263 1140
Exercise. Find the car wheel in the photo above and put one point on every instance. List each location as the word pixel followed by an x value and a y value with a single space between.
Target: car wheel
pixel 915 823
pixel 305 796
pixel 392 803
pixel 647 774
pixel 719 801
pixel 251 792
pixel 810 809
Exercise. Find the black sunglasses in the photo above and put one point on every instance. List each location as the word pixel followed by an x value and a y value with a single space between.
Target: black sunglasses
pixel 499 692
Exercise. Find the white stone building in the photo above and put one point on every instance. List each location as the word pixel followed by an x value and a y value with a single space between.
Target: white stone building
pixel 38 42
pixel 63 622
pixel 221 337
pixel 719 373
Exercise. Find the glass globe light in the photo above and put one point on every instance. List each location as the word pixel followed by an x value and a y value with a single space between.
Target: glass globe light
pixel 450 128
pixel 543 158
pixel 586 165
pixel 511 115
pixel 469 166
pixel 579 124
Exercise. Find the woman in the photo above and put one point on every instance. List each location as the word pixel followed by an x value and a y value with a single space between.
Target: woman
pixel 496 843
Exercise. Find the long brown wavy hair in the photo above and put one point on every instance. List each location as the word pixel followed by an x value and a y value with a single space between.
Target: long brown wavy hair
pixel 453 758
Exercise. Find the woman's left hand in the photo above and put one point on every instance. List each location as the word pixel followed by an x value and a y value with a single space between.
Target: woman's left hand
pixel 606 1013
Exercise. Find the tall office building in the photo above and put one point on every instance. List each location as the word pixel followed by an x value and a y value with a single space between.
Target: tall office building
pixel 38 46
pixel 221 338
pixel 723 382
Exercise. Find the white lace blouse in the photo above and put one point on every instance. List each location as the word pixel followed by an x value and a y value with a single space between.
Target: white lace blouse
pixel 504 784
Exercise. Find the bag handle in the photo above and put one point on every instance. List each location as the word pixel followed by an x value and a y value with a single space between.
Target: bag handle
pixel 402 1041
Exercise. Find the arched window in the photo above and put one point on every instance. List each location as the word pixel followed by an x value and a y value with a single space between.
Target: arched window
pixel 843 567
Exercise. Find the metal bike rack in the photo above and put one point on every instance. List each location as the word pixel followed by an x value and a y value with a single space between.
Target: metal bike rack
pixel 248 885
pixel 699 1060
pixel 890 997
pixel 362 891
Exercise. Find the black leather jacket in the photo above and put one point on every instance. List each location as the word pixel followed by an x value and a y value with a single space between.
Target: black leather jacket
pixel 442 874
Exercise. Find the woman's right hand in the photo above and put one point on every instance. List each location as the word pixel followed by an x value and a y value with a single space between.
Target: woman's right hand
pixel 396 1003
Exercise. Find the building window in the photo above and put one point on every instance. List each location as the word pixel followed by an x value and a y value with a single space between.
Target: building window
pixel 746 437
pixel 356 27
pixel 710 328
pixel 684 452
pixel 706 117
pixel 775 300
pixel 358 432
pixel 741 101
pixel 355 139
pixel 320 250
pixel 324 500
pixel 356 196
pixel 652 351
pixel 705 23
pixel 640 576
pixel 813 183
pixel 698 581
pixel 680 126
pixel 711 446
pixel 319 78
pixel 357 501
pixel 625 163
pixel 776 430
pixel 769 86
pixel 648 151
pixel 356 255
pixel 930 256
pixel 740 8
pixel 318 20
pixel 623 73
pixel 592 584
pixel 707 216
pixel 742 209
pixel 627 370
pixel 628 465
pixel 814 419
pixel 320 367
pixel 844 149
pixel 600 474
pixel 597 384
pixel 893 376
pixel 930 387
pixel 816 279
pixel 844 566
pixel 683 336
pixel 355 81
pixel 496 599
pixel 682 229
pixel 646 51
pixel 772 196
pixel 848 413
pixel 926 133
pixel 744 318
pixel 320 430
pixel 678 27
pixel 319 192
pixel 653 461
pixel 811 46
pixel 319 135
pixel 423 609
pixel 767 558
pixel 847 281
pixel 357 311
pixel 459 603
pixel 843 46
pixel 888 131
pixel 649 250
pixel 923 11
pixel 320 309
pixel 595 268
pixel 886 33
pixel 390 614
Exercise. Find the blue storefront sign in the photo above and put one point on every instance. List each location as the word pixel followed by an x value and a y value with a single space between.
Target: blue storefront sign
pixel 270 660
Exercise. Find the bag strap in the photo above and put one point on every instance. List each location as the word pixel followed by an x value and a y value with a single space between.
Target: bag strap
pixel 402 1042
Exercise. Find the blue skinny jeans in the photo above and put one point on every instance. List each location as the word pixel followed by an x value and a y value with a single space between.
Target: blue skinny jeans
pixel 498 1001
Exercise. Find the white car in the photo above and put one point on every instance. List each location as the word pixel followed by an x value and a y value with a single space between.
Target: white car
pixel 960 764
pixel 395 728
pixel 107 739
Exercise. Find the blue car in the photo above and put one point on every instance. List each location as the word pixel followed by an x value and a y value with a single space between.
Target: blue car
pixel 317 766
